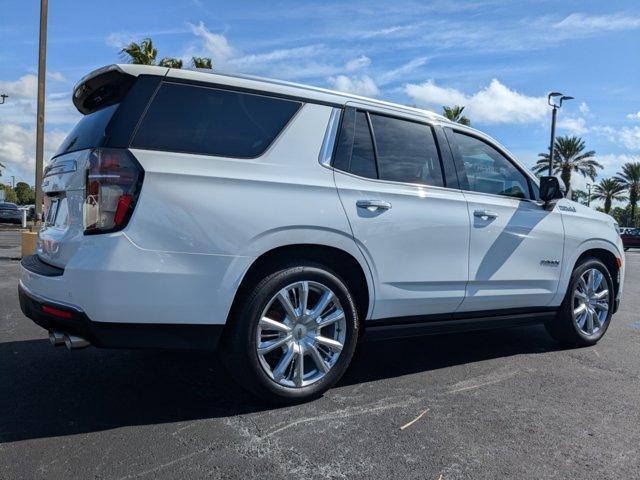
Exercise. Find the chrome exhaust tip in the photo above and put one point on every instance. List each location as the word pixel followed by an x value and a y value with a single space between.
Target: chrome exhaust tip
pixel 73 342
pixel 56 338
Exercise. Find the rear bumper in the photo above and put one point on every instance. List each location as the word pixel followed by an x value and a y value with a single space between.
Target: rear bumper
pixel 117 335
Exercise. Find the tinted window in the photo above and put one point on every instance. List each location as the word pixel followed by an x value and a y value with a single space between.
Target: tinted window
pixel 89 132
pixel 406 151
pixel 185 118
pixel 363 160
pixel 487 170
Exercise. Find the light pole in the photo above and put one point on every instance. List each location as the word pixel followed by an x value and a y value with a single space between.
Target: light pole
pixel 13 181
pixel 42 71
pixel 4 96
pixel 589 194
pixel 554 112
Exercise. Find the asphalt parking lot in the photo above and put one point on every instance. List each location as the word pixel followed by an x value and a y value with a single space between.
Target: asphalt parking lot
pixel 495 404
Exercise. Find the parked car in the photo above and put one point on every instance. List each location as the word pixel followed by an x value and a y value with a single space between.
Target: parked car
pixel 9 213
pixel 630 238
pixel 281 223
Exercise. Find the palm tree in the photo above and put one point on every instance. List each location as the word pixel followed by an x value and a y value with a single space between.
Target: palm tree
pixel 455 114
pixel 579 196
pixel 1 167
pixel 630 179
pixel 609 189
pixel 170 62
pixel 569 157
pixel 143 53
pixel 202 62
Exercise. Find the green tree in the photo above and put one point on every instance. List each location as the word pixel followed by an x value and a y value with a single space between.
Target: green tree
pixel 9 194
pixel 569 157
pixel 629 177
pixel 609 189
pixel 579 196
pixel 143 53
pixel 170 62
pixel 201 62
pixel 24 193
pixel 455 114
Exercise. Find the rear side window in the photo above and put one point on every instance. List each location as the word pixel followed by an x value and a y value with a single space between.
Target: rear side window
pixel 89 132
pixel 363 160
pixel 406 151
pixel 186 118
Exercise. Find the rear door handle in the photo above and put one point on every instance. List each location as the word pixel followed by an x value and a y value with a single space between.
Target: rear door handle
pixel 373 205
pixel 485 214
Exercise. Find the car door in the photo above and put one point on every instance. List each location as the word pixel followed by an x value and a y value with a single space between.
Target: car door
pixel 516 245
pixel 413 230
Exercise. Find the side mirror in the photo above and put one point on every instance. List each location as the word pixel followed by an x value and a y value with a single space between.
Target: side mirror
pixel 550 189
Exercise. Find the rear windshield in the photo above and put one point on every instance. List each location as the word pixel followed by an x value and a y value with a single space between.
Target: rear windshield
pixel 89 132
pixel 8 206
pixel 210 121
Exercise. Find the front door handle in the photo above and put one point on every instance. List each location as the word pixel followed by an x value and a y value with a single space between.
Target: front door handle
pixel 485 214
pixel 373 205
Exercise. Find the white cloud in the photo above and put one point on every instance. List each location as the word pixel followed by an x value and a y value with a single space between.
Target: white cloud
pixel 584 108
pixel 249 62
pixel 628 137
pixel 17 146
pixel 493 104
pixel 583 24
pixel 634 116
pixel 357 63
pixel 574 126
pixel 363 85
pixel 120 40
pixel 56 76
pixel 216 46
pixel 26 87
pixel 400 72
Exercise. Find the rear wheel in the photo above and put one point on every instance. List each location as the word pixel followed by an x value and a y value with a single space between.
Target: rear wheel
pixel 294 334
pixel 586 311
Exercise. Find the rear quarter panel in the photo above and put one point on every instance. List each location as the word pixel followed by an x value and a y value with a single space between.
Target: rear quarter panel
pixel 206 205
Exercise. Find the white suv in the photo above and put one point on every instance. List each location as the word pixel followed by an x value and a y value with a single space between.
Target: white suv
pixel 281 223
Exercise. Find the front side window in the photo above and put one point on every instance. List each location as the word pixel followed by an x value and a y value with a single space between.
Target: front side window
pixel 487 170
pixel 210 121
pixel 406 151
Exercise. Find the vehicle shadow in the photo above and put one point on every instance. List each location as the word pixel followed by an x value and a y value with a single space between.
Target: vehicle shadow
pixel 52 392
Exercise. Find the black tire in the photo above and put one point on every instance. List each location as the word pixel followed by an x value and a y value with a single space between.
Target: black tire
pixel 239 344
pixel 563 328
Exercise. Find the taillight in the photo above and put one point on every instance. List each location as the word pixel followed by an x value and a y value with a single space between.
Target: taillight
pixel 114 179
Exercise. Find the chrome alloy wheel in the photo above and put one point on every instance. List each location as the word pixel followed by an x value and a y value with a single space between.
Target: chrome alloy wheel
pixel 591 302
pixel 300 334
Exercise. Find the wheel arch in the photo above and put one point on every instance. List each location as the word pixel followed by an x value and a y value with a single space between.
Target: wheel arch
pixel 343 263
pixel 609 260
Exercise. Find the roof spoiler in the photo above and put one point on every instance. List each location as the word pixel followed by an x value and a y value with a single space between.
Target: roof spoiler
pixel 108 85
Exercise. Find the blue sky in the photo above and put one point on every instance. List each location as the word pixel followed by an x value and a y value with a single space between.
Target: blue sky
pixel 499 58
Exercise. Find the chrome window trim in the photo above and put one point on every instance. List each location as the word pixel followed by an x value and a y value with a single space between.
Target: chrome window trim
pixel 330 136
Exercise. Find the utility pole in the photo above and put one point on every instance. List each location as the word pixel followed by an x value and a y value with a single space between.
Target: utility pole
pixel 42 72
pixel 13 181
pixel 589 194
pixel 554 113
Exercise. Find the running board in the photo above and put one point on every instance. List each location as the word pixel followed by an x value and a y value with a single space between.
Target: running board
pixel 395 328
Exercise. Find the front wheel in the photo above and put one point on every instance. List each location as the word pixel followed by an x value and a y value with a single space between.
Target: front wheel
pixel 585 313
pixel 294 334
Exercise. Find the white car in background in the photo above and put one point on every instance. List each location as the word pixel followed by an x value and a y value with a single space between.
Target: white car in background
pixel 280 223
